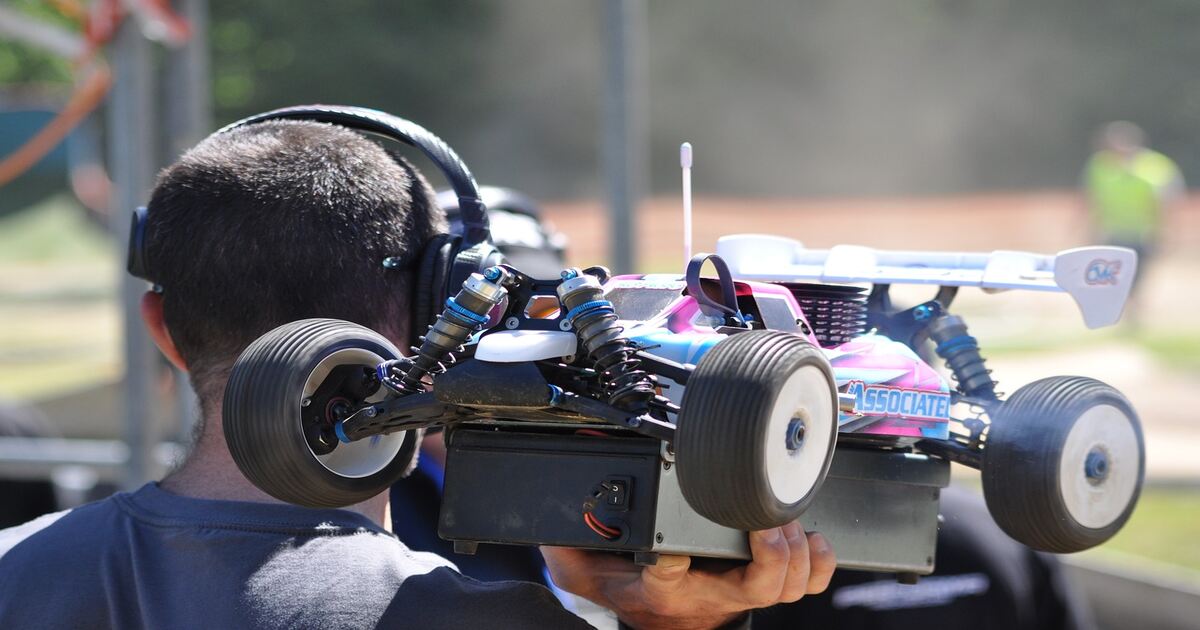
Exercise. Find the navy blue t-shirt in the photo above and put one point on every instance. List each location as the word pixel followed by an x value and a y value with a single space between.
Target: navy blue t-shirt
pixel 158 560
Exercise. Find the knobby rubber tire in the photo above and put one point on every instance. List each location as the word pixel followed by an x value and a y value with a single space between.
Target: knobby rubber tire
pixel 1022 456
pixel 725 411
pixel 261 415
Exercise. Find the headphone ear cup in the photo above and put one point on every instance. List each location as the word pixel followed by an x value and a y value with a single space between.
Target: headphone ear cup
pixel 472 260
pixel 431 281
pixel 136 262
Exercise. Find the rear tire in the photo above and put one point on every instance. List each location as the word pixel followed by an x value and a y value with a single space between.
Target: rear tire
pixel 756 430
pixel 265 431
pixel 1063 464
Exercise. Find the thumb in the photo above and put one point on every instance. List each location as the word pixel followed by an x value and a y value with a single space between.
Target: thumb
pixel 667 576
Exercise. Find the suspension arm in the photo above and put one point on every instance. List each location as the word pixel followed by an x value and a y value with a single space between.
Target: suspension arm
pixel 677 372
pixel 641 423
pixel 414 411
pixel 953 451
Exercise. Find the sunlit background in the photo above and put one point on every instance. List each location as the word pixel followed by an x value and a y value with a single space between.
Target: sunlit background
pixel 923 124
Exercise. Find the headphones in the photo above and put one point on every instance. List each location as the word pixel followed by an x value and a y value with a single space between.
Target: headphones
pixel 446 260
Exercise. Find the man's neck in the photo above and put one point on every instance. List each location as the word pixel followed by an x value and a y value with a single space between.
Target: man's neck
pixel 209 472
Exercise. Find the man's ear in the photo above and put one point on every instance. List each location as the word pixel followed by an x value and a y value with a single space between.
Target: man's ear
pixel 152 315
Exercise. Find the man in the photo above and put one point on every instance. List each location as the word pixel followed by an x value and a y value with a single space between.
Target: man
pixel 259 226
pixel 1129 190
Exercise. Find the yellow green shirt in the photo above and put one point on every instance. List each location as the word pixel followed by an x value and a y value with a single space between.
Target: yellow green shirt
pixel 1126 198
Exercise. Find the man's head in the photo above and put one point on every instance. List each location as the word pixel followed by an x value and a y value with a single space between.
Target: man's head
pixel 1121 137
pixel 278 221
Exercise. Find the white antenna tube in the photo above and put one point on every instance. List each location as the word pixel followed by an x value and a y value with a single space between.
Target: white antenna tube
pixel 685 162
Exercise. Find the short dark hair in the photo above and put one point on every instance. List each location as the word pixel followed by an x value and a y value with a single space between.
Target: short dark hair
pixel 278 221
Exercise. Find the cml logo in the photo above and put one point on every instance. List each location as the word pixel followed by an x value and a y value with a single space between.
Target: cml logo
pixel 1102 271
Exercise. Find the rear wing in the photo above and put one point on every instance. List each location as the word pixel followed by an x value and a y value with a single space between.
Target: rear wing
pixel 1098 278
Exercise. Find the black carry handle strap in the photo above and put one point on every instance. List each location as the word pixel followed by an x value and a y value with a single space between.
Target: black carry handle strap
pixel 476 228
pixel 727 311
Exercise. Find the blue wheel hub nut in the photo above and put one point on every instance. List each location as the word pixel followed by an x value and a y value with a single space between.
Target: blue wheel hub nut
pixel 795 434
pixel 1096 465
pixel 492 273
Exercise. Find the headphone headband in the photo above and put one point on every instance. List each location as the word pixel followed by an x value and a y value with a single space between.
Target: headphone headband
pixel 446 261
pixel 476 228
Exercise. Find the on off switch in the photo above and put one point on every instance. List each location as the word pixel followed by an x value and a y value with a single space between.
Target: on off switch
pixel 618 493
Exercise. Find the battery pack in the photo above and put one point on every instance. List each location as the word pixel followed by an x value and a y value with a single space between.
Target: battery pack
pixel 878 508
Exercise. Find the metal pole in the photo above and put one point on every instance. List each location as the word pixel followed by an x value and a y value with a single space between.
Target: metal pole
pixel 131 125
pixel 188 98
pixel 188 116
pixel 624 124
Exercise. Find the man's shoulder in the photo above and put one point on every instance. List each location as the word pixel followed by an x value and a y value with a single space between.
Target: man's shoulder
pixel 270 564
pixel 13 536
pixel 50 568
pixel 67 532
pixel 1158 166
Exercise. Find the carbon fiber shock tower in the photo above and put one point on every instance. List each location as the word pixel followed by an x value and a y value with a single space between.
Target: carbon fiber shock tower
pixel 628 386
pixel 464 313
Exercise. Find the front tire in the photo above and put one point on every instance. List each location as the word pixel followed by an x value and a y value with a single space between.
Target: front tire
pixel 265 428
pixel 756 430
pixel 1063 464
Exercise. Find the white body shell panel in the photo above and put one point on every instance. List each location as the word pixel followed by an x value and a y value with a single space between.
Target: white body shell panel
pixel 517 346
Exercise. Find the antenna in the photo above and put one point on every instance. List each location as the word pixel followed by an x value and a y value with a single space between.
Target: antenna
pixel 685 162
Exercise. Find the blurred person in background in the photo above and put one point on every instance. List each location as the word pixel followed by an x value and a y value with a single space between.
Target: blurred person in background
pixel 1129 190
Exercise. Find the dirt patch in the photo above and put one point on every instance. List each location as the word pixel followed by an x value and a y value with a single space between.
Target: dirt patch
pixel 1047 221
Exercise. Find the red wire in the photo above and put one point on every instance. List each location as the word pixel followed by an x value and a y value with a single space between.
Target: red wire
pixel 600 528
pixel 592 432
pixel 597 527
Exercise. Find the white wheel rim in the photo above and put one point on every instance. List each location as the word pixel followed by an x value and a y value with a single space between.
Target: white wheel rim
pixel 361 458
pixel 792 473
pixel 1097 501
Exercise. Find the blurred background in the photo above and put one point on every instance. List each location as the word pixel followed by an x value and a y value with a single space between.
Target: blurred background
pixel 924 124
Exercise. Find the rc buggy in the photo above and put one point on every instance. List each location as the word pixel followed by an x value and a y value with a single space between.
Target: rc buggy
pixel 672 413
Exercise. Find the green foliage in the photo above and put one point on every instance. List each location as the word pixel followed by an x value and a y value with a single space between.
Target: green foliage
pixel 59 320
pixel 1163 527
pixel 1176 348
pixel 1179 351
pixel 388 55
pixel 21 63
pixel 780 98
pixel 56 230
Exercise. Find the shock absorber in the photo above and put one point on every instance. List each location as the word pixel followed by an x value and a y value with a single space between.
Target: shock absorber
pixel 595 322
pixel 961 352
pixel 464 314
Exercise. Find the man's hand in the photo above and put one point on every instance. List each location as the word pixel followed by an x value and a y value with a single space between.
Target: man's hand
pixel 787 565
